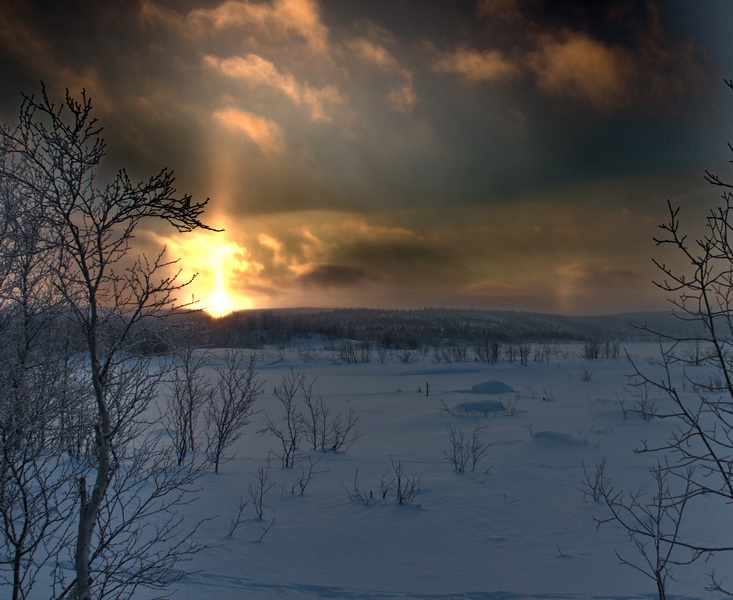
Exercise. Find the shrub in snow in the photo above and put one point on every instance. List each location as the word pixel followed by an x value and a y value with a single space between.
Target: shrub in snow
pixel 464 450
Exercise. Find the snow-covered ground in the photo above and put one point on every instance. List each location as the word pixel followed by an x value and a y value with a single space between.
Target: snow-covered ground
pixel 518 526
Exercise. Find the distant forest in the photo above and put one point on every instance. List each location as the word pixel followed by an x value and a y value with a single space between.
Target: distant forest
pixel 429 326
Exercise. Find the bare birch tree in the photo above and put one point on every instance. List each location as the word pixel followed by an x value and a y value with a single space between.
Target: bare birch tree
pixel 652 521
pixel 231 406
pixel 289 429
pixel 36 480
pixel 698 387
pixel 52 159
pixel 190 392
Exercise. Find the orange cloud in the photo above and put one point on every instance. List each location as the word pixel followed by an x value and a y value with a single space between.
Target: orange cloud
pixel 477 65
pixel 278 19
pixel 577 66
pixel 274 246
pixel 402 98
pixel 372 53
pixel 268 135
pixel 257 71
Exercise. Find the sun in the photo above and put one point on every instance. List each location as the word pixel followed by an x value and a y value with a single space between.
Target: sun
pixel 221 270
pixel 224 259
pixel 219 304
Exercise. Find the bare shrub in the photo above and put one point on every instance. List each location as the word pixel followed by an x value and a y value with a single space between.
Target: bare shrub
pixel 610 350
pixel 259 490
pixel 288 429
pixel 383 353
pixel 405 354
pixel 190 391
pixel 307 474
pixel 509 407
pixel 238 518
pixel 355 352
pixel 347 352
pixel 595 484
pixel 357 493
pixel 487 351
pixel 307 417
pixel 406 487
pixel 524 351
pixel 322 431
pixel 592 349
pixel 231 406
pixel 465 450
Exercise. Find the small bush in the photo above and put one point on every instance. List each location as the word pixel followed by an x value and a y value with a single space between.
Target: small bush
pixel 463 450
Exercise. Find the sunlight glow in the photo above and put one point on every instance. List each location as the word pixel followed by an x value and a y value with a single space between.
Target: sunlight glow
pixel 221 299
pixel 221 269
pixel 219 304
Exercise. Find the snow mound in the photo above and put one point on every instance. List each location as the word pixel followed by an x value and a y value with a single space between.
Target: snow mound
pixel 491 387
pixel 558 438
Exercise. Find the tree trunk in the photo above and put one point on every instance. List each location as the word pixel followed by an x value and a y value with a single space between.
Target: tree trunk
pixel 88 512
pixel 660 587
pixel 16 574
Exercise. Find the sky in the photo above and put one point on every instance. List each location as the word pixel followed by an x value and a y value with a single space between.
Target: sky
pixel 498 154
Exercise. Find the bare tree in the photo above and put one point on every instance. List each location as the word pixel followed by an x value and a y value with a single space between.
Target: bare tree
pixel 653 523
pixel 190 392
pixel 700 447
pixel 52 159
pixel 259 490
pixel 36 480
pixel 37 492
pixel 321 430
pixel 36 483
pixel 35 500
pixel 231 406
pixel 343 432
pixel 139 528
pixel 314 419
pixel 288 430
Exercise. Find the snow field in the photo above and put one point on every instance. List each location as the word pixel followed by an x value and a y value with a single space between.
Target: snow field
pixel 516 527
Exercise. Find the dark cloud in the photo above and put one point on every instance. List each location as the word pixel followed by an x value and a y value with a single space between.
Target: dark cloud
pixel 327 276
pixel 408 261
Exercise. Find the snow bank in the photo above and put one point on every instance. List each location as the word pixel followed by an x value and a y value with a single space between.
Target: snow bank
pixel 491 387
